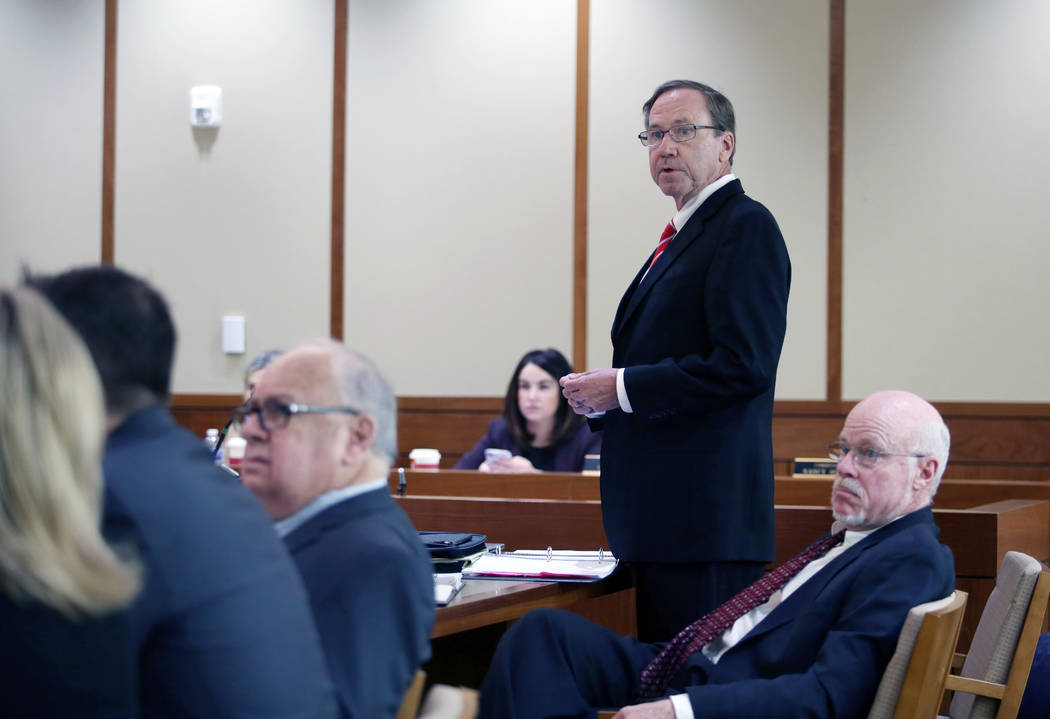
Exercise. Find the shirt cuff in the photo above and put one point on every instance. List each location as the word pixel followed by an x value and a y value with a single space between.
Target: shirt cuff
pixel 682 708
pixel 621 392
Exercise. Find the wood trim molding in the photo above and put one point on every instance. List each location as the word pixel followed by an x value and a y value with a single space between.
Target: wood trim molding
pixel 781 408
pixel 579 221
pixel 994 440
pixel 446 404
pixel 205 401
pixel 109 130
pixel 836 124
pixel 338 241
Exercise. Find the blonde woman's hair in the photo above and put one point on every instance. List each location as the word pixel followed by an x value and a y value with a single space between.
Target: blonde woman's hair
pixel 52 426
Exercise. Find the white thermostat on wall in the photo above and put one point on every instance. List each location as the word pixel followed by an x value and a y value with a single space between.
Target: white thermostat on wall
pixel 205 106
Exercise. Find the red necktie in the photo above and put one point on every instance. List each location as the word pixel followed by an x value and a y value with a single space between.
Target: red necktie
pixel 663 668
pixel 665 239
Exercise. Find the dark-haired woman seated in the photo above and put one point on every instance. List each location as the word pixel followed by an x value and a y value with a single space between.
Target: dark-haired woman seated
pixel 538 428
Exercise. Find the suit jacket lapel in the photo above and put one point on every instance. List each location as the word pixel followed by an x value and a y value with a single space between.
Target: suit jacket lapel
pixel 815 585
pixel 639 288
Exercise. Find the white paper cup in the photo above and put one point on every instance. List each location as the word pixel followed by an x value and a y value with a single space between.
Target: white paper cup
pixel 424 458
pixel 233 448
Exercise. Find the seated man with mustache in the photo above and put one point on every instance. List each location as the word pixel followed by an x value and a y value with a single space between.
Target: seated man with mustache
pixel 814 644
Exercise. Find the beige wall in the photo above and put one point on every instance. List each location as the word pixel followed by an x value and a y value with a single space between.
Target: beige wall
pixel 459 188
pixel 945 212
pixel 460 120
pixel 233 220
pixel 50 134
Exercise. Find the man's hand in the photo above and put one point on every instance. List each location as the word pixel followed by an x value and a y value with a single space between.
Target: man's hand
pixel 662 709
pixel 591 391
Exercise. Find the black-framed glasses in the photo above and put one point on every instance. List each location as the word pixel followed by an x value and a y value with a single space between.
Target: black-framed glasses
pixel 275 414
pixel 678 133
pixel 864 456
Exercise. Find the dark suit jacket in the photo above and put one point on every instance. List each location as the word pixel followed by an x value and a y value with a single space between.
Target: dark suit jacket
pixel 371 588
pixel 222 627
pixel 688 475
pixel 822 652
pixel 568 456
pixel 52 666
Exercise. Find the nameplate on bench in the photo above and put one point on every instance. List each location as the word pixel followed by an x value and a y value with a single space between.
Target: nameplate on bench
pixel 814 467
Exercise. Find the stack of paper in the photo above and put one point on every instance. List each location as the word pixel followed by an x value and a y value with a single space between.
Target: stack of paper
pixel 443 565
pixel 545 566
pixel 446 586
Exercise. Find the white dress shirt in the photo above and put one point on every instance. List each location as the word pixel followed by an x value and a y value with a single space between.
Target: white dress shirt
pixel 322 502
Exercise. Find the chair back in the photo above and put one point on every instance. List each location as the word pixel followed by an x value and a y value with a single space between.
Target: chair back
pixel 913 682
pixel 447 702
pixel 410 703
pixel 993 677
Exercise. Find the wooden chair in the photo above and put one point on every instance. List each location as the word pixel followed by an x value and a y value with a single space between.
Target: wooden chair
pixel 995 671
pixel 410 703
pixel 913 683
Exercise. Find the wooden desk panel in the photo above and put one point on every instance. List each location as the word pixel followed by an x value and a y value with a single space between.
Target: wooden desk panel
pixel 471 483
pixel 810 491
pixel 952 493
pixel 518 523
pixel 978 537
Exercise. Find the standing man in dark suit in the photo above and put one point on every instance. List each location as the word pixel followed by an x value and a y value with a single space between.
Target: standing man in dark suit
pixel 813 645
pixel 322 430
pixel 222 627
pixel 687 409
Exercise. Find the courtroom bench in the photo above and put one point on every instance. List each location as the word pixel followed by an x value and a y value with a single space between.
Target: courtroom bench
pixel 814 491
pixel 978 536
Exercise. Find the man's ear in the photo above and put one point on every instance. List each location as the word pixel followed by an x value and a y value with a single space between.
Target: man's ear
pixel 361 438
pixel 928 466
pixel 728 141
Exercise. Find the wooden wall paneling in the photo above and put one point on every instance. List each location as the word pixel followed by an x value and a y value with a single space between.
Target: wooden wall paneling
pixel 198 412
pixel 338 248
pixel 452 425
pixel 836 133
pixel 109 132
pixel 579 221
pixel 989 441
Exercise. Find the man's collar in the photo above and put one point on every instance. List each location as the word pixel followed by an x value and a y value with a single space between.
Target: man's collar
pixel 321 502
pixel 682 216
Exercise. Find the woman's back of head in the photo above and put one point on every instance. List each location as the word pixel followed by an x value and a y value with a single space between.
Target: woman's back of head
pixel 51 433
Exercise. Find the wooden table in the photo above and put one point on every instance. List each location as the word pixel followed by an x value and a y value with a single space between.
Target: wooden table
pixel 467 630
pixel 484 602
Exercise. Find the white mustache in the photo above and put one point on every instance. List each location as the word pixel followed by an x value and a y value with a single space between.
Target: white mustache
pixel 851 485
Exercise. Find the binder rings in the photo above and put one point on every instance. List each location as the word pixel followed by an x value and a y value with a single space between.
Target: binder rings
pixel 547 565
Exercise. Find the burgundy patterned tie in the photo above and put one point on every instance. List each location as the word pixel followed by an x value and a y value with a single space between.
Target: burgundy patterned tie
pixel 662 669
pixel 665 239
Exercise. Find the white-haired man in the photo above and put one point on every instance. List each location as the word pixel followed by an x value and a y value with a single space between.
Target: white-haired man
pixel 814 644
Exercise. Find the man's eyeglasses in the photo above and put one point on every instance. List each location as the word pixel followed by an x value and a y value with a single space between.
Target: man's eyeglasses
pixel 863 456
pixel 678 133
pixel 275 414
